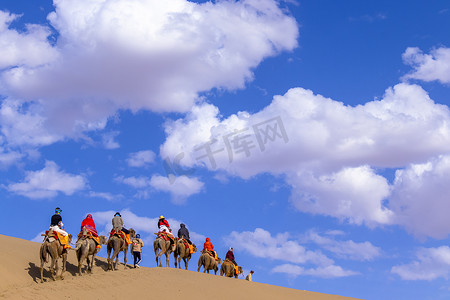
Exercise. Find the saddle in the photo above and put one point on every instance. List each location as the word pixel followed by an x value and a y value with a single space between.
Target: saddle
pixel 165 236
pixel 186 244
pixel 119 233
pixel 63 240
pixel 90 235
pixel 213 254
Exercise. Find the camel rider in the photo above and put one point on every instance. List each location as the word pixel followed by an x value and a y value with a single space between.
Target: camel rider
pixel 117 223
pixel 57 225
pixel 163 226
pixel 89 224
pixel 230 256
pixel 56 222
pixel 183 232
pixel 208 247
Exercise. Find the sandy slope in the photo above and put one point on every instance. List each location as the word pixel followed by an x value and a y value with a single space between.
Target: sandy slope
pixel 19 274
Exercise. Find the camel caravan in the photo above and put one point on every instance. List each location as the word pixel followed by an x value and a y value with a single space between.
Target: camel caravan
pixel 57 242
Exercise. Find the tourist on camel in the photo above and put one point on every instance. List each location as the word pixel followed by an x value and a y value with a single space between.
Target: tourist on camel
pixel 56 223
pixel 136 245
pixel 89 224
pixel 183 232
pixel 208 247
pixel 230 256
pixel 163 226
pixel 117 223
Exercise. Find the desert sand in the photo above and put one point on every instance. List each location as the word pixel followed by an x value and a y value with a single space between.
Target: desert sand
pixel 19 279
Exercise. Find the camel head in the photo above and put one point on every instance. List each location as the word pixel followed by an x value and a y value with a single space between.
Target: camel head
pixel 102 240
pixel 194 247
pixel 132 232
pixel 240 269
pixel 70 238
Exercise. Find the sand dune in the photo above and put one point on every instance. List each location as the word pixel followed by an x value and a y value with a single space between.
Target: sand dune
pixel 19 277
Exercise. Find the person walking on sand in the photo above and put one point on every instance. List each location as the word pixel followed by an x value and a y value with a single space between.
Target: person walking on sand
pixel 136 245
pixel 249 276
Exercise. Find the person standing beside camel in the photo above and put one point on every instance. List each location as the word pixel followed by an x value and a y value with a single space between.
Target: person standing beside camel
pixel 136 246
pixel 249 276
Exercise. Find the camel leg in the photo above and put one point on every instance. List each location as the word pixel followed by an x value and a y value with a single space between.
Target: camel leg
pixel 186 262
pixel 167 259
pixel 125 257
pixel 64 260
pixel 179 262
pixel 108 249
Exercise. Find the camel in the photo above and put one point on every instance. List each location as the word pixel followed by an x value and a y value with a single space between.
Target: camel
pixel 86 247
pixel 117 244
pixel 183 253
pixel 162 247
pixel 209 263
pixel 51 246
pixel 228 269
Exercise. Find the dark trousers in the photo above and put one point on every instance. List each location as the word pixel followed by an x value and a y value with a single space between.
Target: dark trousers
pixel 126 231
pixel 137 257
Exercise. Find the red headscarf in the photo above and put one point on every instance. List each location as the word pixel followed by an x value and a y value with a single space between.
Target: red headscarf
pixel 89 224
pixel 208 245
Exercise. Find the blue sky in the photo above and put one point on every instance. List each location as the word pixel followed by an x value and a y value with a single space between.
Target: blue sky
pixel 326 122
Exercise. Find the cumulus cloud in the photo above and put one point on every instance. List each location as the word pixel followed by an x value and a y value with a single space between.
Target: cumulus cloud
pixel 48 183
pixel 107 196
pixel 430 263
pixel 349 249
pixel 278 247
pixel 180 189
pixel 323 272
pixel 30 48
pixel 136 182
pixel 260 243
pixel 141 158
pixel 145 54
pixel 428 67
pixel 331 154
pixel 420 198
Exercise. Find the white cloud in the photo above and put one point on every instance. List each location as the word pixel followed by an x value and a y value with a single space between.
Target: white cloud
pixel 23 124
pixel 30 48
pixel 107 196
pixel 180 189
pixel 48 182
pixel 331 271
pixel 428 67
pixel 420 198
pixel 117 54
pixel 136 182
pixel 331 154
pixel 355 194
pixel 349 249
pixel 430 263
pixel 260 243
pixel 278 247
pixel 141 158
pixel 109 141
